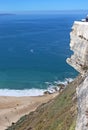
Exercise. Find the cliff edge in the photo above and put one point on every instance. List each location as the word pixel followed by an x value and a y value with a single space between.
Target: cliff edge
pixel 79 46
pixel 79 61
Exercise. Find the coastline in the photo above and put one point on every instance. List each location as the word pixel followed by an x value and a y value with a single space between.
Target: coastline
pixel 13 108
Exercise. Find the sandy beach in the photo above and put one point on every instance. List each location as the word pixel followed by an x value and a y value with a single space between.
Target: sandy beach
pixel 12 108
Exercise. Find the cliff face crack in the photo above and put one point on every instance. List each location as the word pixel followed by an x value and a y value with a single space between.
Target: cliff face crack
pixel 83 37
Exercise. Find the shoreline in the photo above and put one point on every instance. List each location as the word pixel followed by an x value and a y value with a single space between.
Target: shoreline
pixel 52 87
pixel 13 108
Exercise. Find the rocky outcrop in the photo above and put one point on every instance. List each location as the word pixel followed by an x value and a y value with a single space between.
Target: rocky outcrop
pixel 79 60
pixel 79 46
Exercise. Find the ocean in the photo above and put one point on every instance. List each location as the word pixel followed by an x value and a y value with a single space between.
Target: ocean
pixel 33 52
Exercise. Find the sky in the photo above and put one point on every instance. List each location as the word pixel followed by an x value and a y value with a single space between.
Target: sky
pixel 45 5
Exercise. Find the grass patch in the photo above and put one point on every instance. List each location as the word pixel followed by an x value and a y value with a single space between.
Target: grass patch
pixel 58 114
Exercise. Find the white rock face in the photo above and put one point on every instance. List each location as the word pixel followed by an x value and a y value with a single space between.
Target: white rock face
pixel 82 94
pixel 79 45
pixel 79 61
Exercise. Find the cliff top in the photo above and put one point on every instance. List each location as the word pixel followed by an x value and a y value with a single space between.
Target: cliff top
pixel 81 23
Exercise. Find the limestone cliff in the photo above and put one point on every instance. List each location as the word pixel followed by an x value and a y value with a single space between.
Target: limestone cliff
pixel 79 60
pixel 79 45
pixel 82 95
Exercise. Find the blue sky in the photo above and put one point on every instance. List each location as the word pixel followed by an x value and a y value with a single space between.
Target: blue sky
pixel 31 5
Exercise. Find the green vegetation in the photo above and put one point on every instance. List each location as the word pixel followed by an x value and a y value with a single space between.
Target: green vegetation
pixel 58 114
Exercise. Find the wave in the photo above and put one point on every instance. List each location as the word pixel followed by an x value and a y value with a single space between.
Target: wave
pixel 65 82
pixel 55 86
pixel 24 92
pixel 51 87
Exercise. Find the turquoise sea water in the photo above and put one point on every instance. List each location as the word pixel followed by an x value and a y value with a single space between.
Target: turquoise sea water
pixel 33 50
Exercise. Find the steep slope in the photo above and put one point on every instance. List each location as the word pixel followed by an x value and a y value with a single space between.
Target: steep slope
pixel 82 95
pixel 58 114
pixel 61 112
pixel 79 60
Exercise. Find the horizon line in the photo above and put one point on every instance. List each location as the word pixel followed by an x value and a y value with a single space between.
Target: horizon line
pixel 42 11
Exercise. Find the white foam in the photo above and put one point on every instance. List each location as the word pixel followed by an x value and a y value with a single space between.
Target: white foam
pixel 65 82
pixel 69 80
pixel 34 92
pixel 19 93
pixel 51 88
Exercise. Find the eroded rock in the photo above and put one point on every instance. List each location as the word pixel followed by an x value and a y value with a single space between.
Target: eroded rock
pixel 79 46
